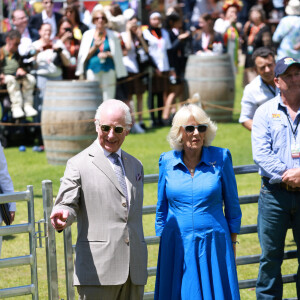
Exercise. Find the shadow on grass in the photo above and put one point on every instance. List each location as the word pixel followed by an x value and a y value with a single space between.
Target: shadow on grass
pixel 9 237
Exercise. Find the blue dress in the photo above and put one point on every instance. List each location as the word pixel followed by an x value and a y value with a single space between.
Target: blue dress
pixel 196 259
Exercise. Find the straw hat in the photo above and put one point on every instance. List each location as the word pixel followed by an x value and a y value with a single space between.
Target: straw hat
pixel 293 7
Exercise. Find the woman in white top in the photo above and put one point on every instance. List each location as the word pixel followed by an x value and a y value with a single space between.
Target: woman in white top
pixel 136 62
pixel 100 56
pixel 158 42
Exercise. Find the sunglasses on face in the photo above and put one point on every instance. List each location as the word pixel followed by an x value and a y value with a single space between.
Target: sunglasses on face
pixel 191 128
pixel 99 18
pixel 107 128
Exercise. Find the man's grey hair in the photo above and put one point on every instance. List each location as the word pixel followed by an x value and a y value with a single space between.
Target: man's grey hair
pixel 116 105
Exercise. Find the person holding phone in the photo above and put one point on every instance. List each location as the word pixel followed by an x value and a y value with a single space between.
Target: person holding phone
pixel 51 55
pixel 65 34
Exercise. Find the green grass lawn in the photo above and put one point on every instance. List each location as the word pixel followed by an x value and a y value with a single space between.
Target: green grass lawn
pixel 30 168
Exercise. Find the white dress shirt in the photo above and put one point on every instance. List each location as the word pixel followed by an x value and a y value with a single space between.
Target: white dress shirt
pixel 119 152
pixel 51 21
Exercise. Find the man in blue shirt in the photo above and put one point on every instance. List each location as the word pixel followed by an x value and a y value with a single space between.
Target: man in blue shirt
pixel 276 150
pixel 262 88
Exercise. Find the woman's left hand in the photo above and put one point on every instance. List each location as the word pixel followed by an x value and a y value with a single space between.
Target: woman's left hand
pixel 104 55
pixel 234 242
pixel 234 250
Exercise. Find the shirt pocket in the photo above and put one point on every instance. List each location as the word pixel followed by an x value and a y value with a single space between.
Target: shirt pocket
pixel 279 137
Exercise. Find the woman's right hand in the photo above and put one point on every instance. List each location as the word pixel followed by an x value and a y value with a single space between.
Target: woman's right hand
pixel 98 42
pixel 66 36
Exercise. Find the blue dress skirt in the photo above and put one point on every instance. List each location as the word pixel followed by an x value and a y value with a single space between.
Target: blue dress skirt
pixel 196 259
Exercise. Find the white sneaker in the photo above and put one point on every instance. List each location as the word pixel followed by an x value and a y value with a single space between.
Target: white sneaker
pixel 17 112
pixel 136 128
pixel 30 111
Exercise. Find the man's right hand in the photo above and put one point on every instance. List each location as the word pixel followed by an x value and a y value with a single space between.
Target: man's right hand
pixel 59 219
pixel 292 177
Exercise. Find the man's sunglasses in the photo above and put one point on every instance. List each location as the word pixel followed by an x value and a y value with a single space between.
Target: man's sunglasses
pixel 191 128
pixel 107 128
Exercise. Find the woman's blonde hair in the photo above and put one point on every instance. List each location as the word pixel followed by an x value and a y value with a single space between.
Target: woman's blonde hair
pixel 181 118
pixel 96 12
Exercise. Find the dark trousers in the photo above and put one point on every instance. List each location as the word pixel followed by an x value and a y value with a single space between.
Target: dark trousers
pixel 277 210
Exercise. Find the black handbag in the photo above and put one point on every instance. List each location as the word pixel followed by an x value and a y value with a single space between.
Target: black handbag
pixel 4 210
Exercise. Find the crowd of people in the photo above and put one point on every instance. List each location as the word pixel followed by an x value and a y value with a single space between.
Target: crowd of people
pixel 111 46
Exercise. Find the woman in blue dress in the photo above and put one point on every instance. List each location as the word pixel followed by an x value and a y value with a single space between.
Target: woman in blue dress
pixel 197 247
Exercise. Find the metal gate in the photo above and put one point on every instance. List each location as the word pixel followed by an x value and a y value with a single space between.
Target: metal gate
pixel 152 240
pixel 50 242
pixel 21 260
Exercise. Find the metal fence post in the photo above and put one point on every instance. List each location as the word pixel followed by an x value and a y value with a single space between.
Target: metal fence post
pixel 69 267
pixel 50 241
pixel 32 243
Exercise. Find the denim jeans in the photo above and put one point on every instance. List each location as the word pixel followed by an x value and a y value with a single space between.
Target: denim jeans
pixel 277 210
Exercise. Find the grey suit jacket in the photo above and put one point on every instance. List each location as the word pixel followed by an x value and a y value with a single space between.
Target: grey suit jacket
pixel 110 241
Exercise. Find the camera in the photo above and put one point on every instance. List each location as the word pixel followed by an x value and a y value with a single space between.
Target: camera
pixel 68 29
pixel 172 80
pixel 58 50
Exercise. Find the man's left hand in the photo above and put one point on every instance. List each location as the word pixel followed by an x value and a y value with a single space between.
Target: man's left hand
pixel 292 177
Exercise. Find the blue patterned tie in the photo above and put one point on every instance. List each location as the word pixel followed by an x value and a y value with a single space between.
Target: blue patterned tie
pixel 120 174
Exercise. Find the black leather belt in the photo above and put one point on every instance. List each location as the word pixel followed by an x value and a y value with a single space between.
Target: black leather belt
pixel 289 188
pixel 285 186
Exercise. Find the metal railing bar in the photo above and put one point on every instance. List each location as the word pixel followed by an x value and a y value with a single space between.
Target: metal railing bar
pixel 148 296
pixel 246 169
pixel 15 229
pixel 153 178
pixel 15 197
pixel 248 199
pixel 248 229
pixel 16 261
pixel 151 271
pixel 17 291
pixel 148 210
pixel 152 240
pixel 251 283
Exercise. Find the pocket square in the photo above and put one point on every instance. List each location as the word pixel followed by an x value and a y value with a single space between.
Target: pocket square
pixel 138 177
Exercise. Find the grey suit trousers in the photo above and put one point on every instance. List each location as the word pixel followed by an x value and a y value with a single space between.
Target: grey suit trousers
pixel 126 291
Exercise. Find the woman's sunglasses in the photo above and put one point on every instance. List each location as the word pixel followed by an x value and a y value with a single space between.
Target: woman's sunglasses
pixel 107 128
pixel 191 128
pixel 99 18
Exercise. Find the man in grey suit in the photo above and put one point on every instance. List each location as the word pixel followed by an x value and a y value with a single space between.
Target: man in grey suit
pixel 103 187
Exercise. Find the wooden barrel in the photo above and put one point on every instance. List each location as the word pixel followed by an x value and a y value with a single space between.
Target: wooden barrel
pixel 213 78
pixel 68 111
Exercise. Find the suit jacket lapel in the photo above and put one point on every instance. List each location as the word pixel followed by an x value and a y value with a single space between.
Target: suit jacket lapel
pixel 130 175
pixel 102 163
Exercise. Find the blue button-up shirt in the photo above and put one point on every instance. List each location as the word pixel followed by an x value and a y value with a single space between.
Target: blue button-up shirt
pixel 255 94
pixel 272 136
